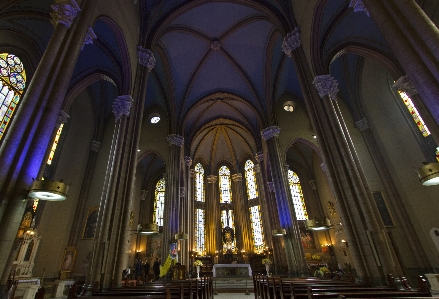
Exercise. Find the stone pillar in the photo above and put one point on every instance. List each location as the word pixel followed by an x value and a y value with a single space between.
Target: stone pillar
pixel 357 210
pixel 171 221
pixel 187 214
pixel 413 39
pixel 287 218
pixel 242 218
pixel 212 215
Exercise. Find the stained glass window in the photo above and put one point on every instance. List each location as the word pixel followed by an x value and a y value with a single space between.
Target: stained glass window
pixel 159 202
pixel 12 83
pixel 252 190
pixel 200 232
pixel 230 223
pixel 415 114
pixel 257 230
pixel 199 182
pixel 437 154
pixel 296 194
pixel 225 185
pixel 55 144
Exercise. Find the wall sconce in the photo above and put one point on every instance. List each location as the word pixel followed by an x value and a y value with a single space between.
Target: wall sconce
pixel 147 229
pixel 345 243
pixel 48 190
pixel 279 232
pixel 289 106
pixel 429 174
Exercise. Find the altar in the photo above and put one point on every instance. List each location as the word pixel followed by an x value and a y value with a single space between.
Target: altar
pixel 231 270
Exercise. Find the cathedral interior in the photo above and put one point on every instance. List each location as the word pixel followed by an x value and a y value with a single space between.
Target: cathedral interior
pixel 221 131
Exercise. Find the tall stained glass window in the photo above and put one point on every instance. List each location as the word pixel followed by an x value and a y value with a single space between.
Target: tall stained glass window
pixel 12 83
pixel 200 222
pixel 225 185
pixel 296 194
pixel 55 144
pixel 199 182
pixel 415 114
pixel 255 210
pixel 159 202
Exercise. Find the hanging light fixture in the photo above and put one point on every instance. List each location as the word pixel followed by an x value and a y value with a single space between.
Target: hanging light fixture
pixel 318 224
pixel 48 190
pixel 147 229
pixel 429 174
pixel 181 236
pixel 289 106
pixel 279 232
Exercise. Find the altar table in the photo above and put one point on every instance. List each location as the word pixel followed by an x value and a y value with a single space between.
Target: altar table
pixel 232 270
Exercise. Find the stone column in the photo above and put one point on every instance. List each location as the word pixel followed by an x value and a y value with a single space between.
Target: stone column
pixel 109 216
pixel 187 214
pixel 212 215
pixel 357 210
pixel 171 221
pixel 266 210
pixel 414 47
pixel 287 218
pixel 242 219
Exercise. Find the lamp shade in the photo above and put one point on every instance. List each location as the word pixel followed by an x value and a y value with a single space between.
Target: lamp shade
pixel 318 224
pixel 48 190
pixel 147 229
pixel 429 174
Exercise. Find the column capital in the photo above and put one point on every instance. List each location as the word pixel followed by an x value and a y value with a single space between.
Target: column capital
pixel 146 57
pixel 62 118
pixel 313 184
pixel 404 84
pixel 237 177
pixel 188 161
pixel 64 12
pixel 95 146
pixel 359 6
pixel 211 179
pixel 182 191
pixel 291 41
pixel 326 85
pixel 323 166
pixel 362 124
pixel 270 132
pixel 122 106
pixel 270 186
pixel 257 168
pixel 175 139
pixel 89 37
pixel 259 157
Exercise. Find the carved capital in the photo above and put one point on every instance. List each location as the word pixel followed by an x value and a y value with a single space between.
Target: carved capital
pixel 211 179
pixel 182 192
pixel 323 166
pixel 362 124
pixel 326 85
pixel 270 132
pixel 122 106
pixel 291 41
pixel 95 146
pixel 313 184
pixel 257 168
pixel 64 12
pixel 359 6
pixel 237 177
pixel 61 119
pixel 404 84
pixel 270 186
pixel 89 37
pixel 146 58
pixel 259 157
pixel 187 161
pixel 175 139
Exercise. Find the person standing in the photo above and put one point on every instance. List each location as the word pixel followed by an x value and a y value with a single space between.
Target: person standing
pixel 156 268
pixel 146 267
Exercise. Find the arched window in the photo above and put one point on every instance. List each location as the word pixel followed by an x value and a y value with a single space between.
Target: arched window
pixel 12 83
pixel 296 194
pixel 159 202
pixel 227 218
pixel 255 208
pixel 414 113
pixel 200 221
